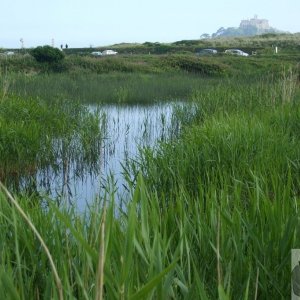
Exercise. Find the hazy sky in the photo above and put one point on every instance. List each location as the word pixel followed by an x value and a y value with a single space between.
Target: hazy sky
pixel 82 23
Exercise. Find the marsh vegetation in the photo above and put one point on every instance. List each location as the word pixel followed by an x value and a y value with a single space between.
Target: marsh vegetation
pixel 212 203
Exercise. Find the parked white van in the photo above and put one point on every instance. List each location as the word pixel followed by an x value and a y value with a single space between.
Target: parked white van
pixel 236 52
pixel 109 52
pixel 8 53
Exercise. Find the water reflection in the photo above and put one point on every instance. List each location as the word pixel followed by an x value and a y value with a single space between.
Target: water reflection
pixel 125 129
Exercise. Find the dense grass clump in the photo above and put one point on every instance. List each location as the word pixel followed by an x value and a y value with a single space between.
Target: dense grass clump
pixel 237 130
pixel 229 148
pixel 35 135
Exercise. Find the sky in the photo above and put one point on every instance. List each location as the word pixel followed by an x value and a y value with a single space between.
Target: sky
pixel 86 23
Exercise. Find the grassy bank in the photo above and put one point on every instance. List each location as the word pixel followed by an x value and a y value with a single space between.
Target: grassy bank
pixel 133 79
pixel 219 64
pixel 120 63
pixel 108 80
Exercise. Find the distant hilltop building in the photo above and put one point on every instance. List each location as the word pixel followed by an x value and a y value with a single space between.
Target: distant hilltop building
pixel 250 27
pixel 260 24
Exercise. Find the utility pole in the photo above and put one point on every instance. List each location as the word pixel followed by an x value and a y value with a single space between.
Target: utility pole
pixel 22 45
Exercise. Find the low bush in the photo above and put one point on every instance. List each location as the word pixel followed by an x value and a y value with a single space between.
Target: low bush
pixel 47 54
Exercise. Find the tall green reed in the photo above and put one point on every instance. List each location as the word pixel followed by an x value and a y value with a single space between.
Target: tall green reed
pixel 157 249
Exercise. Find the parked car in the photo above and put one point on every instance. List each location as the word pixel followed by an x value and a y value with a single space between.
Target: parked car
pixel 207 52
pixel 96 53
pixel 109 52
pixel 8 53
pixel 236 52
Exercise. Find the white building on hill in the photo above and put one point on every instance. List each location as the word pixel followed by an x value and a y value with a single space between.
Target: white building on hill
pixel 260 24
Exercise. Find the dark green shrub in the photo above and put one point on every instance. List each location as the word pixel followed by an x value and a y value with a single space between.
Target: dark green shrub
pixel 47 54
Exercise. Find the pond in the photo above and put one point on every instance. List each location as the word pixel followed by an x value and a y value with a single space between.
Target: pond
pixel 126 129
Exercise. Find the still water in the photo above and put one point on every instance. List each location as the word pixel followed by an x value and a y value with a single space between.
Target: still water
pixel 126 129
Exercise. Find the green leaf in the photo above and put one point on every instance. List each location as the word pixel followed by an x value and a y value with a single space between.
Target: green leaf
pixel 92 252
pixel 7 288
pixel 222 293
pixel 146 289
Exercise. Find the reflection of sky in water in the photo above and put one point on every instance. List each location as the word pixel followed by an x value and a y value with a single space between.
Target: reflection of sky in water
pixel 127 128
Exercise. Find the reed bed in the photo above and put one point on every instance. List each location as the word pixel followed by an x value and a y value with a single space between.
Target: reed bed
pixel 213 214
pixel 215 245
pixel 109 88
pixel 36 136
pixel 240 147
